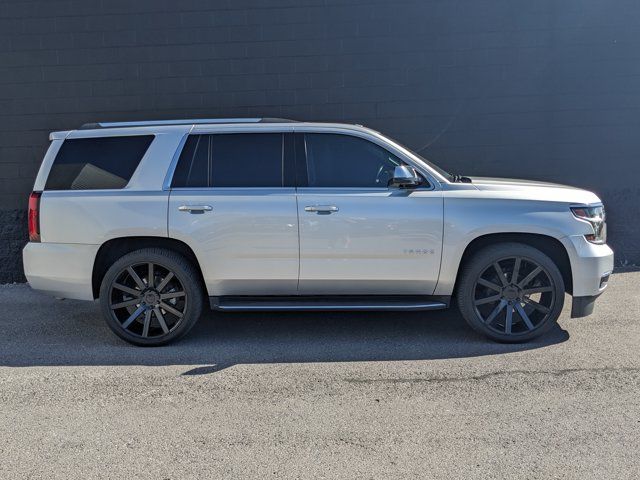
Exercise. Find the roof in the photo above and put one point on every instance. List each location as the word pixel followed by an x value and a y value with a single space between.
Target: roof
pixel 200 125
pixel 193 121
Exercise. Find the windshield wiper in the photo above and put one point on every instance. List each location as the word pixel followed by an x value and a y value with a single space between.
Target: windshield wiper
pixel 459 178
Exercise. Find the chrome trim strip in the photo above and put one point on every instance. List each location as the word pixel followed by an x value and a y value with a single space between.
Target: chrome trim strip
pixel 235 190
pixel 322 190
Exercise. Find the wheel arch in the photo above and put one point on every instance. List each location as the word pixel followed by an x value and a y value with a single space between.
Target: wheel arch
pixel 550 246
pixel 115 248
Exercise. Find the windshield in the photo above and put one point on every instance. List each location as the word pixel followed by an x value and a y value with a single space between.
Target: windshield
pixel 433 166
pixel 442 172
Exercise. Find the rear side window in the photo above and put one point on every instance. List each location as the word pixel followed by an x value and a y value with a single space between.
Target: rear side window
pixel 194 167
pixel 231 160
pixel 97 163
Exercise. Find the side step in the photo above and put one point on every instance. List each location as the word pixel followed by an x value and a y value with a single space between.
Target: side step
pixel 330 303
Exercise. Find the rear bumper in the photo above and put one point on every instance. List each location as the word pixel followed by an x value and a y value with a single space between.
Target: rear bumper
pixel 60 269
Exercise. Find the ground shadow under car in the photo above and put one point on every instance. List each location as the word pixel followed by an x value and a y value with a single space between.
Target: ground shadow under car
pixel 41 331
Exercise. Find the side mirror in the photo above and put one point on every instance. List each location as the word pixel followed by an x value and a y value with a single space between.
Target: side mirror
pixel 404 176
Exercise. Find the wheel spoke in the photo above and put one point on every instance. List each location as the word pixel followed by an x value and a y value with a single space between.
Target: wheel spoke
pixel 503 279
pixel 493 298
pixel 147 323
pixel 164 282
pixel 150 280
pixel 131 291
pixel 132 317
pixel 536 305
pixel 524 316
pixel 126 303
pixel 136 278
pixel 530 277
pixel 495 312
pixel 167 296
pixel 130 306
pixel 530 291
pixel 509 321
pixel 161 321
pixel 489 284
pixel 516 270
pixel 170 309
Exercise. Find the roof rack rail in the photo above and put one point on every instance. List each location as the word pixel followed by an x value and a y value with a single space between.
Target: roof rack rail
pixel 193 121
pixel 277 120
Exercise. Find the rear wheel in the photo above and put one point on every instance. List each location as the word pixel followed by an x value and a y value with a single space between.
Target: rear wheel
pixel 511 292
pixel 151 297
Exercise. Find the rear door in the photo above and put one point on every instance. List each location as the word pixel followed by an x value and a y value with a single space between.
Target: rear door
pixel 233 202
pixel 357 236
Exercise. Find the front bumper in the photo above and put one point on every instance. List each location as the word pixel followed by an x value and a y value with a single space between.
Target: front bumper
pixel 60 269
pixel 591 266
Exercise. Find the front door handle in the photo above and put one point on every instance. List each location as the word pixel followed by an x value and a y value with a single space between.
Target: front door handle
pixel 195 208
pixel 321 208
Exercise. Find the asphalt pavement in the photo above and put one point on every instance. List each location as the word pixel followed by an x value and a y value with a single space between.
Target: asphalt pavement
pixel 319 395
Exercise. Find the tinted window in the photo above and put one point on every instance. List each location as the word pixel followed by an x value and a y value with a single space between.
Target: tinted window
pixel 247 160
pixel 231 160
pixel 346 161
pixel 193 166
pixel 97 163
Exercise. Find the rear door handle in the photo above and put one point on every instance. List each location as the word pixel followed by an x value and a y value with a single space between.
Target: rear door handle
pixel 321 208
pixel 195 208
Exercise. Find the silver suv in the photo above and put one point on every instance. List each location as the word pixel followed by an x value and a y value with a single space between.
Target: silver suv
pixel 155 218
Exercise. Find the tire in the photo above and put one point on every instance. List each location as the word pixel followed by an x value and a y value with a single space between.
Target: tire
pixel 157 314
pixel 506 309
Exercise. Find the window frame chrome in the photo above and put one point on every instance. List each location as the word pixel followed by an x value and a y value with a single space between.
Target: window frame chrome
pixel 216 130
pixel 434 182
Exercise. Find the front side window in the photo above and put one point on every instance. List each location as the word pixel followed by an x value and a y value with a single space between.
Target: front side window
pixel 231 160
pixel 97 163
pixel 335 160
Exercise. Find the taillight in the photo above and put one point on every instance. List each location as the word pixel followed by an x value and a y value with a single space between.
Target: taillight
pixel 34 216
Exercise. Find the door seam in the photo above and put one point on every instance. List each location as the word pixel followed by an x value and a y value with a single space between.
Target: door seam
pixel 299 246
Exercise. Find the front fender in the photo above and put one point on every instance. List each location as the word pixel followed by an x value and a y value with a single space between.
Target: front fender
pixel 466 219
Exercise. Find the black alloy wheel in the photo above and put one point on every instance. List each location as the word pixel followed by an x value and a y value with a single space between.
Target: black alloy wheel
pixel 511 292
pixel 151 297
pixel 514 295
pixel 148 300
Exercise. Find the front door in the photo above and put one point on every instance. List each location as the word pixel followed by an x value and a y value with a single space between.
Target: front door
pixel 231 204
pixel 357 236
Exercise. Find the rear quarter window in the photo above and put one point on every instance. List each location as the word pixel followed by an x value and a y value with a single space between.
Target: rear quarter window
pixel 97 163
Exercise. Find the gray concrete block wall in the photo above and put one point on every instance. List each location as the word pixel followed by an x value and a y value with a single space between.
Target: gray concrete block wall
pixel 545 90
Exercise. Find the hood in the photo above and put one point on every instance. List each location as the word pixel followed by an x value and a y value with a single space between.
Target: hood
pixel 534 190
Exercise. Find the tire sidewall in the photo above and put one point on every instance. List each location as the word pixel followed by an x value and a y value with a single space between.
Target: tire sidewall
pixel 482 260
pixel 185 274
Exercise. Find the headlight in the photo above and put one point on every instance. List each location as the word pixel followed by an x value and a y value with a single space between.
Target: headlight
pixel 596 217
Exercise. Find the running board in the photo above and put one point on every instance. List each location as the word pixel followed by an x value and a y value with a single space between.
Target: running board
pixel 330 303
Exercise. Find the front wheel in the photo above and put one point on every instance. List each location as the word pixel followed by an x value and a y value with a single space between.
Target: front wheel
pixel 151 297
pixel 511 292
